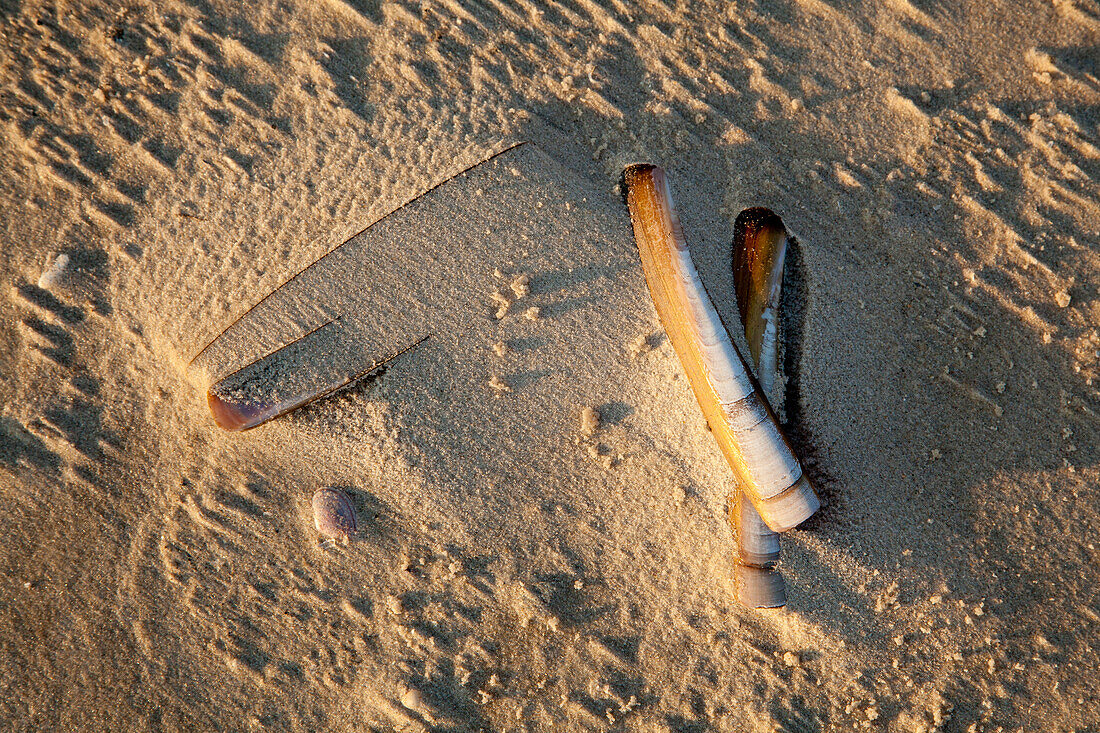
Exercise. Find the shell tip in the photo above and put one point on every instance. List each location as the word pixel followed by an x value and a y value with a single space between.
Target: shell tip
pixel 227 415
pixel 760 587
pixel 791 508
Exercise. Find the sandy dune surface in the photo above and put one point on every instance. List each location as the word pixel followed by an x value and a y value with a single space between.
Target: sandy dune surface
pixel 167 164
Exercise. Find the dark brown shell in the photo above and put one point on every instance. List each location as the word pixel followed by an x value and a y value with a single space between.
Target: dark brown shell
pixel 333 514
pixel 759 248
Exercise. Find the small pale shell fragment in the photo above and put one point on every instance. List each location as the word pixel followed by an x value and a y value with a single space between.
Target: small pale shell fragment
pixel 1062 299
pixel 590 420
pixel 333 514
pixel 54 272
pixel 531 314
pixel 412 699
pixel 638 346
pixel 499 384
pixel 521 286
pixel 500 349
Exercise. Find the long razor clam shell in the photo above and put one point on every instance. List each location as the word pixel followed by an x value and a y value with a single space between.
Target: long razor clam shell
pixel 759 249
pixel 760 587
pixel 738 414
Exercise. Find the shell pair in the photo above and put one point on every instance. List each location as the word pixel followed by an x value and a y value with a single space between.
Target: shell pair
pixel 775 494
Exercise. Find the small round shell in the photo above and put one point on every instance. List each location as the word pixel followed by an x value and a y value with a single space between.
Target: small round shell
pixel 333 514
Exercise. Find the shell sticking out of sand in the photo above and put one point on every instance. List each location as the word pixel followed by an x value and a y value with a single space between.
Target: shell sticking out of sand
pixel 333 514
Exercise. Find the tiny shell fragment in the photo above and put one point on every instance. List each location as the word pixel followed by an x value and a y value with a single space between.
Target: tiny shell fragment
pixel 521 286
pixel 412 699
pixel 333 514
pixel 54 272
pixel 590 421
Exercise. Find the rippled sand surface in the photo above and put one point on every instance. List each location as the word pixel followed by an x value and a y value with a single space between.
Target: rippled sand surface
pixel 542 540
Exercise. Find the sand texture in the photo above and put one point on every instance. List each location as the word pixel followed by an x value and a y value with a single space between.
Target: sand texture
pixel 542 542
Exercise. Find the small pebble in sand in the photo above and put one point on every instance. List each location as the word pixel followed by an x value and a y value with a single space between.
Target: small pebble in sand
pixel 500 300
pixel 521 286
pixel 499 385
pixel 531 314
pixel 500 349
pixel 590 420
pixel 1062 299
pixel 638 346
pixel 790 659
pixel 54 272
pixel 680 495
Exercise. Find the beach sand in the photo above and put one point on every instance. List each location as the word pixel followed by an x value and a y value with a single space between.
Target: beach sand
pixel 542 538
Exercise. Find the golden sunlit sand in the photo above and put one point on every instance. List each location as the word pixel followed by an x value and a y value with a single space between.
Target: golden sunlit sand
pixel 541 538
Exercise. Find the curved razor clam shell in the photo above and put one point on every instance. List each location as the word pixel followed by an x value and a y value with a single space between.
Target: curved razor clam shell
pixel 760 587
pixel 333 514
pixel 736 410
pixel 759 248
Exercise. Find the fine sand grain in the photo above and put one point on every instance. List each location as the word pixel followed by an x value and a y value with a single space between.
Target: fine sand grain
pixel 542 542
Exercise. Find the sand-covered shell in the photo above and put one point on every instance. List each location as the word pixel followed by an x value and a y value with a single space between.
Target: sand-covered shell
pixel 333 514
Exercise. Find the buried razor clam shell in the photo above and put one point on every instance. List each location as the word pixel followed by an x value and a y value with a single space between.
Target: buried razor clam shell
pixel 757 545
pixel 333 514
pixel 760 587
pixel 759 250
pixel 736 410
